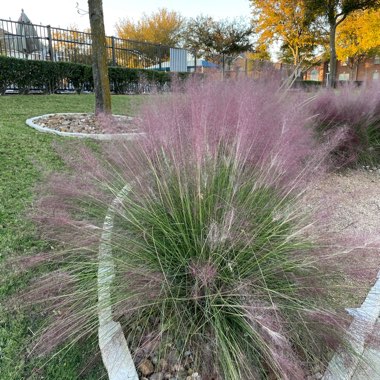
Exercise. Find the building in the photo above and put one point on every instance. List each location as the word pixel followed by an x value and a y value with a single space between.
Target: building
pixel 181 60
pixel 366 71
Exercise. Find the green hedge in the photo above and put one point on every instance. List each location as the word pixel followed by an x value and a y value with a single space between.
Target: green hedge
pixel 50 77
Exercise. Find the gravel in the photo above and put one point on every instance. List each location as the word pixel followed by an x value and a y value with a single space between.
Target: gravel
pixel 353 199
pixel 87 123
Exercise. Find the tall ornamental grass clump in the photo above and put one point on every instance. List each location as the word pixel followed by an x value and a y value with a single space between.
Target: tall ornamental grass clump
pixel 214 256
pixel 357 112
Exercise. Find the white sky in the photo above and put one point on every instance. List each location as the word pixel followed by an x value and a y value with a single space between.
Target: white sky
pixel 63 13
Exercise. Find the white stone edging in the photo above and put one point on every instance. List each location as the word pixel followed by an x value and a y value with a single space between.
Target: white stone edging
pixel 344 364
pixel 97 136
pixel 113 347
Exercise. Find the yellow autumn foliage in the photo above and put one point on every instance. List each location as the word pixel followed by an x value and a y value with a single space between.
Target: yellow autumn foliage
pixel 359 36
pixel 284 21
pixel 161 27
pixel 72 44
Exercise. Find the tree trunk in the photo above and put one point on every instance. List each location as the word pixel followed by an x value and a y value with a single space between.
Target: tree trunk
pixel 99 58
pixel 297 62
pixel 354 71
pixel 357 69
pixel 332 76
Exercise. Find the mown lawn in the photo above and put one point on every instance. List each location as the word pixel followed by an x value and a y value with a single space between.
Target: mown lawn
pixel 23 152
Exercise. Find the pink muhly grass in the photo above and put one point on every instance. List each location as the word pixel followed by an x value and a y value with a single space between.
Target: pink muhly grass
pixel 348 105
pixel 266 130
pixel 276 344
pixel 66 319
pixel 24 263
pixel 211 228
pixel 204 273
pixel 357 111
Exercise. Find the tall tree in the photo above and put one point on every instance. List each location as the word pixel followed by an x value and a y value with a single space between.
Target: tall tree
pixel 334 12
pixel 285 21
pixel 99 58
pixel 208 37
pixel 161 27
pixel 358 37
pixel 260 53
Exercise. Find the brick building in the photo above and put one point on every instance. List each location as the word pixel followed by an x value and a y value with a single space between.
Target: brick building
pixel 367 70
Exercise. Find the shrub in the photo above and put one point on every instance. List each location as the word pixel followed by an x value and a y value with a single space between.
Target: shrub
pixel 51 77
pixel 307 85
pixel 46 76
pixel 357 112
pixel 211 245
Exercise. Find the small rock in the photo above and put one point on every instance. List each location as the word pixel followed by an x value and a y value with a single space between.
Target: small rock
pixel 187 362
pixel 167 376
pixel 146 367
pixel 194 376
pixel 318 376
pixel 157 376
pixel 162 365
pixel 177 367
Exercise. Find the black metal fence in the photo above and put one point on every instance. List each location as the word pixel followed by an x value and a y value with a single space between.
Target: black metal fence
pixel 31 41
pixel 45 43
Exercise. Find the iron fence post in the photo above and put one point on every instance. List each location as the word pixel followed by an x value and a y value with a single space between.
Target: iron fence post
pixel 195 61
pixel 2 42
pixel 113 51
pixel 223 66
pixel 159 57
pixel 50 43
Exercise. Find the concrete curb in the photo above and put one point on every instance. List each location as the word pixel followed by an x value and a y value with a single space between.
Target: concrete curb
pixel 96 136
pixel 344 364
pixel 113 347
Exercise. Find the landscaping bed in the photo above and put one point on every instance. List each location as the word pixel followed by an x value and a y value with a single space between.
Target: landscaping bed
pixel 86 123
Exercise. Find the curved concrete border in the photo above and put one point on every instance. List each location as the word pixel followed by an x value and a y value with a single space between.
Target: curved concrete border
pixel 97 136
pixel 344 364
pixel 113 347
